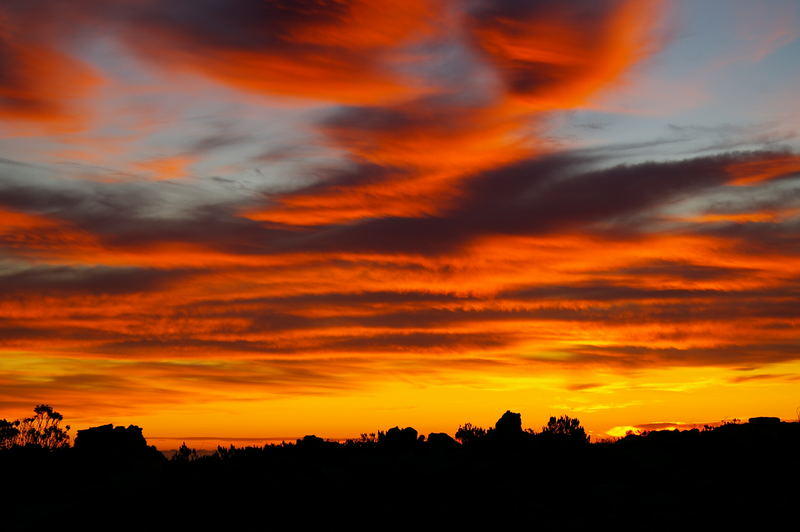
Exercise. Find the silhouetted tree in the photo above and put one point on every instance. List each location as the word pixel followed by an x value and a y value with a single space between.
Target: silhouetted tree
pixel 566 428
pixel 185 454
pixel 43 429
pixel 368 438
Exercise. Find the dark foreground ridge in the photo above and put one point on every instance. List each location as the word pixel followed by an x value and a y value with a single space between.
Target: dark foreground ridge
pixel 553 479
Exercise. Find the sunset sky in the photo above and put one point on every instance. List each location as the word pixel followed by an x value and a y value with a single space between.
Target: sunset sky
pixel 270 218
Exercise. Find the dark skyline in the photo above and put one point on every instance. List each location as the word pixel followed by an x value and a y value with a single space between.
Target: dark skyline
pixel 262 219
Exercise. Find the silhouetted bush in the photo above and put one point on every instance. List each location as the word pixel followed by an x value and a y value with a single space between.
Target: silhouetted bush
pixel 469 434
pixel 565 429
pixel 8 433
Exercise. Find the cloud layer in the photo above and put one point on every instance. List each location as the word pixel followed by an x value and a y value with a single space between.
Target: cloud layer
pixel 424 224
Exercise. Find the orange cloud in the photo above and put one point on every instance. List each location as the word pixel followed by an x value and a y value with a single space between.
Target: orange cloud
pixel 427 147
pixel 342 52
pixel 39 83
pixel 556 56
pixel 174 167
pixel 37 236
pixel 769 168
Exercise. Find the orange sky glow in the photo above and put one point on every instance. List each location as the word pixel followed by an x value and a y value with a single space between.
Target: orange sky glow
pixel 244 220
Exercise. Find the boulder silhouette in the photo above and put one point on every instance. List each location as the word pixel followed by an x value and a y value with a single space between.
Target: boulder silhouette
pixel 441 441
pixel 399 439
pixel 312 442
pixel 121 444
pixel 509 425
pixel 764 420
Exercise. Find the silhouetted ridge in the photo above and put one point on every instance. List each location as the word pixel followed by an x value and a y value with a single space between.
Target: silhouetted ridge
pixel 554 478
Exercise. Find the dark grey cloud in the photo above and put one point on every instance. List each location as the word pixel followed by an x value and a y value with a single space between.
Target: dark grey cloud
pixel 243 24
pixel 684 270
pixel 541 196
pixel 758 238
pixel 411 342
pixel 546 195
pixel 20 89
pixel 19 332
pixel 63 280
pixel 347 299
pixel 758 354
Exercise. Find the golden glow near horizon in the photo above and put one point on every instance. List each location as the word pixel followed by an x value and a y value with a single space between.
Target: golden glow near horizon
pixel 270 219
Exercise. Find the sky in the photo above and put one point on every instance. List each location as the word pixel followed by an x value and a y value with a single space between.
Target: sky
pixel 252 219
